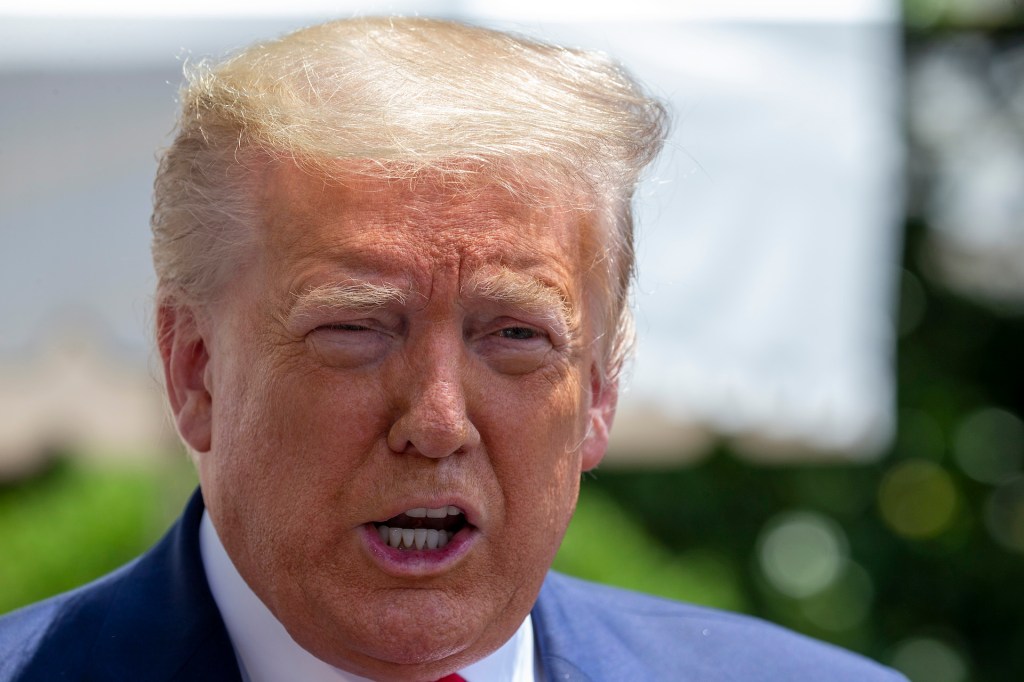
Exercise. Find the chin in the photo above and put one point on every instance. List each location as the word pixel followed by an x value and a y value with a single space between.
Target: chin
pixel 407 659
pixel 410 635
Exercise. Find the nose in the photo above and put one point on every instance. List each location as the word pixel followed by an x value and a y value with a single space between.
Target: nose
pixel 434 420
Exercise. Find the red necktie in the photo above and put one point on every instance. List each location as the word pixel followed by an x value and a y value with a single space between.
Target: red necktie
pixel 454 677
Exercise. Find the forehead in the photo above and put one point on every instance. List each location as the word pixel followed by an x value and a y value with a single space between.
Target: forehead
pixel 415 228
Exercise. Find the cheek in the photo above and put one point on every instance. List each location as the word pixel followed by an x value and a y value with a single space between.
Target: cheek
pixel 285 434
pixel 291 445
pixel 536 457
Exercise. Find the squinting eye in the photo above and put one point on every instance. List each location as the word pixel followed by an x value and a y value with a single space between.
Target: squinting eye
pixel 349 344
pixel 518 333
pixel 345 327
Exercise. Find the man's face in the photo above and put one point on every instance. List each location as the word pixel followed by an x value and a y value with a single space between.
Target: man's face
pixel 393 347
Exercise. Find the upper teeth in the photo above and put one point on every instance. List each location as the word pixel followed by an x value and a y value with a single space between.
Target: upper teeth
pixel 419 538
pixel 438 513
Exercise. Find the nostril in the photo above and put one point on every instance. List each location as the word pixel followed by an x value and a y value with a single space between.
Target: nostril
pixel 432 417
pixel 432 435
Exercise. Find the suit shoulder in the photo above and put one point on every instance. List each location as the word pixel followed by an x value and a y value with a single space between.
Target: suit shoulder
pixel 21 633
pixel 63 625
pixel 681 641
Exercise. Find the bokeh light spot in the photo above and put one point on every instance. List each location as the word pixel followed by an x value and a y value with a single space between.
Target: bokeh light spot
pixel 845 604
pixel 924 659
pixel 989 445
pixel 918 499
pixel 801 553
pixel 1004 514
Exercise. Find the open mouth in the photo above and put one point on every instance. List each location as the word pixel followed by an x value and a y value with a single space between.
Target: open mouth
pixel 422 528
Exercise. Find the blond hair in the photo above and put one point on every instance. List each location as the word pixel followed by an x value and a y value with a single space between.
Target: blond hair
pixel 395 97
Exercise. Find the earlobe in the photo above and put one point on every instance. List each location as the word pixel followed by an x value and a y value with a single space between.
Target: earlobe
pixel 186 361
pixel 604 397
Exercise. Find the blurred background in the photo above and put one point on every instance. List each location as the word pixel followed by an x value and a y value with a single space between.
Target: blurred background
pixel 823 423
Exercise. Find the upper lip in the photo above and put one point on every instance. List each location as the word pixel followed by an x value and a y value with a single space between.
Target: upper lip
pixel 468 510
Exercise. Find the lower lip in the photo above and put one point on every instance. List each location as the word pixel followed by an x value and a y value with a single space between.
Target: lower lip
pixel 418 562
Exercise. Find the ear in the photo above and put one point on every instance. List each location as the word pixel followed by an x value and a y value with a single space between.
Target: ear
pixel 604 396
pixel 186 362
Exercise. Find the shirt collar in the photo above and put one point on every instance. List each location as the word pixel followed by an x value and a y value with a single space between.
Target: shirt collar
pixel 267 653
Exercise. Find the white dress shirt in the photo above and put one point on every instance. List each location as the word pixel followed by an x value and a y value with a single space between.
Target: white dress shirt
pixel 267 653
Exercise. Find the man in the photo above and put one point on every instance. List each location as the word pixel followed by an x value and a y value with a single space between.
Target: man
pixel 393 260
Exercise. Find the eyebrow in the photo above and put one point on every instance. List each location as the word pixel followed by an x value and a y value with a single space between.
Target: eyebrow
pixel 526 293
pixel 355 295
pixel 504 286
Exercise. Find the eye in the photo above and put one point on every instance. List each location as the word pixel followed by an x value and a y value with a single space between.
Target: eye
pixel 511 347
pixel 345 327
pixel 349 344
pixel 519 333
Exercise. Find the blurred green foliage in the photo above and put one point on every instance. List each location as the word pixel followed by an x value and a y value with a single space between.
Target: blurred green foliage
pixel 606 543
pixel 960 14
pixel 76 522
pixel 721 509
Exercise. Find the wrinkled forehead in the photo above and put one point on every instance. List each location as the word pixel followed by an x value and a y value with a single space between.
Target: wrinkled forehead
pixel 355 212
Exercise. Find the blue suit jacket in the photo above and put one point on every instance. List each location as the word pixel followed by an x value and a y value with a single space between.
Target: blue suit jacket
pixel 155 620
